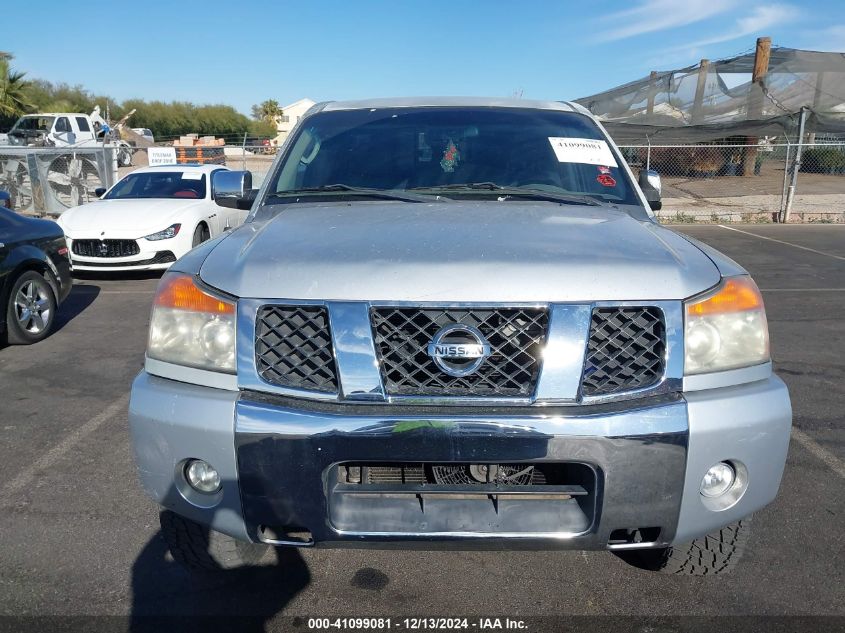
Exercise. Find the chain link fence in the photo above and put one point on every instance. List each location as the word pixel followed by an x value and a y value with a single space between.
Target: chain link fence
pixel 254 159
pixel 759 182
pixel 712 182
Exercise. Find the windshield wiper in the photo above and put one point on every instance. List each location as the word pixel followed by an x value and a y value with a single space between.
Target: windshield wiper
pixel 505 193
pixel 385 194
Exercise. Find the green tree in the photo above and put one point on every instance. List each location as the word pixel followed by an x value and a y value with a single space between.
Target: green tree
pixel 14 100
pixel 262 129
pixel 268 110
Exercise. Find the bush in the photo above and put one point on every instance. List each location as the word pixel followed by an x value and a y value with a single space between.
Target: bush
pixel 823 160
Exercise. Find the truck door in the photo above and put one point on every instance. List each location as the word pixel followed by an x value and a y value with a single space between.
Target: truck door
pixel 63 132
pixel 84 132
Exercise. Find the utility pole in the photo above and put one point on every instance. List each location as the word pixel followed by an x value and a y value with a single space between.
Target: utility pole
pixel 651 88
pixel 701 86
pixel 755 100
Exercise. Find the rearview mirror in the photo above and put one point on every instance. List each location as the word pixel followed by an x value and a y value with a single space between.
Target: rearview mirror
pixel 99 191
pixel 231 188
pixel 651 185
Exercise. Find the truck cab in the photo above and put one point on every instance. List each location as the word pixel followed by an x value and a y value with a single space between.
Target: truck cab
pixel 60 129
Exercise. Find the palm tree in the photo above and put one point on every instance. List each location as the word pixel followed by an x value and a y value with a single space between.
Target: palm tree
pixel 14 100
pixel 268 110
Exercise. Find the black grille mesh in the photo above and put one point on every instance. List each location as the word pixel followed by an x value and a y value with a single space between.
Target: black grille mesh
pixel 516 338
pixel 293 347
pixel 625 351
pixel 105 248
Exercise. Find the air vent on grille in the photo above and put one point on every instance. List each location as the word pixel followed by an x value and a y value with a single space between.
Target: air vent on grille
pixel 626 350
pixel 293 348
pixel 516 338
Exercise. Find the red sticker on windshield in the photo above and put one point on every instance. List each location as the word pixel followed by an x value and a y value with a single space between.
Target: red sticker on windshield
pixel 606 180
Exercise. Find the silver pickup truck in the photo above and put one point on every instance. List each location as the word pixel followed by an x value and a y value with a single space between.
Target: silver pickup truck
pixel 456 323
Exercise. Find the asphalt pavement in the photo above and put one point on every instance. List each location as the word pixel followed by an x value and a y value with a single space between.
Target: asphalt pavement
pixel 78 536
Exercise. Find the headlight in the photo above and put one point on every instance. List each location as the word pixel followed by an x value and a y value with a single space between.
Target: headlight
pixel 191 327
pixel 166 234
pixel 726 329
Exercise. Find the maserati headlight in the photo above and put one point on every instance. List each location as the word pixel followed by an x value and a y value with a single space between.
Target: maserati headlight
pixel 166 234
pixel 726 329
pixel 191 327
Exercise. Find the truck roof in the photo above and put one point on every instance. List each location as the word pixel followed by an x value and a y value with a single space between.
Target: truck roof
pixel 37 114
pixel 476 102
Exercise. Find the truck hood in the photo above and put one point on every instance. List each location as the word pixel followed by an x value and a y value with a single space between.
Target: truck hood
pixel 123 218
pixel 456 252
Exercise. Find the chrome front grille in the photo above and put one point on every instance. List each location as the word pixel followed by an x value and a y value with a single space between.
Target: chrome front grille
pixel 293 347
pixel 626 350
pixel 516 337
pixel 371 353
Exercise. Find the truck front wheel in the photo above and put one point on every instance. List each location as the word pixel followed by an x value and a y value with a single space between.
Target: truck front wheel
pixel 716 553
pixel 200 548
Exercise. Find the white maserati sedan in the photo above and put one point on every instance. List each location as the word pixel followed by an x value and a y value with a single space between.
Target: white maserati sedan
pixel 154 215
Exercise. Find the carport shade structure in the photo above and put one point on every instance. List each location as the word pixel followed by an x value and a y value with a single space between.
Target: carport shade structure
pixel 711 100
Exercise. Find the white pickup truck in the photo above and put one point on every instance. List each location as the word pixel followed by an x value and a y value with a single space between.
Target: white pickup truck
pixel 60 129
pixel 65 129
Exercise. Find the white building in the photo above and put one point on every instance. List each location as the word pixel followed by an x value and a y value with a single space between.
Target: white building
pixel 290 116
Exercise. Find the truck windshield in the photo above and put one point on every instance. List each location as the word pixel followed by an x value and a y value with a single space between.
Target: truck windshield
pixel 34 124
pixel 450 151
pixel 159 184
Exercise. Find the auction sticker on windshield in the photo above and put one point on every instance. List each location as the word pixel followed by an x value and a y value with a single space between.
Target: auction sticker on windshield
pixel 582 150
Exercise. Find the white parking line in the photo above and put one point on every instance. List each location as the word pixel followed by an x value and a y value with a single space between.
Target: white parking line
pixel 29 473
pixel 127 292
pixel 78 287
pixel 831 460
pixel 802 289
pixel 771 239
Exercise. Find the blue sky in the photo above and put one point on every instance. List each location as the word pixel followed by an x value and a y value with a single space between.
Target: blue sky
pixel 242 52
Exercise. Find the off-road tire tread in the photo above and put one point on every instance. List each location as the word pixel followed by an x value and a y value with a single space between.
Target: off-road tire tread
pixel 716 553
pixel 201 548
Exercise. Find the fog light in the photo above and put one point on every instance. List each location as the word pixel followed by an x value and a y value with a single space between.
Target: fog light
pixel 202 476
pixel 718 480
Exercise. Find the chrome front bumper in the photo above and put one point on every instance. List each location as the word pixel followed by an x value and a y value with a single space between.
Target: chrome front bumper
pixel 274 456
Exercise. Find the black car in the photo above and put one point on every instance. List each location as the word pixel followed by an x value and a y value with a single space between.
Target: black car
pixel 34 276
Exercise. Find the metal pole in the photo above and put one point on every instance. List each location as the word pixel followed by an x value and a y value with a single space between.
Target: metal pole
pixel 243 154
pixel 648 154
pixel 782 212
pixel 796 166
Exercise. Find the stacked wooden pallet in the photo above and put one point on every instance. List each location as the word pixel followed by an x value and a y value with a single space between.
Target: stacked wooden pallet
pixel 202 150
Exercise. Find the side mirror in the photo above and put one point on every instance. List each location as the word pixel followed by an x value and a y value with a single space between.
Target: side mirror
pixel 232 188
pixel 99 191
pixel 244 203
pixel 649 181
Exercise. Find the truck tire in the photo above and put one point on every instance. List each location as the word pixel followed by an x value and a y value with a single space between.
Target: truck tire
pixel 716 553
pixel 200 548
